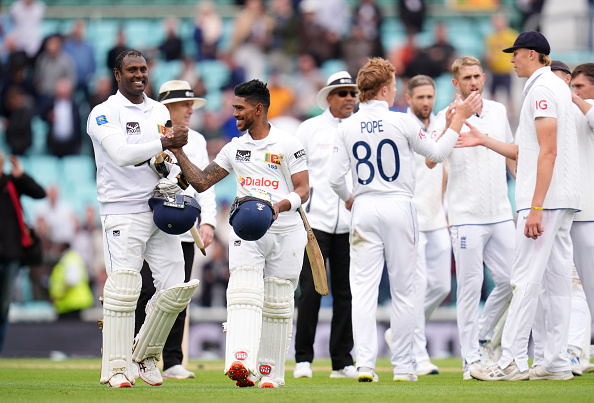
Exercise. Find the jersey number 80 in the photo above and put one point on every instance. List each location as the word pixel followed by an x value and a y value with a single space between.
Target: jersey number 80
pixel 364 160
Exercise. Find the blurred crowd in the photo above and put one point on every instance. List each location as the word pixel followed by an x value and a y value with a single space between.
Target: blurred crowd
pixel 55 79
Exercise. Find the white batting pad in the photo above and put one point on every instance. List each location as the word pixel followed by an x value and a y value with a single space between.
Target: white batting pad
pixel 161 313
pixel 120 295
pixel 245 295
pixel 277 328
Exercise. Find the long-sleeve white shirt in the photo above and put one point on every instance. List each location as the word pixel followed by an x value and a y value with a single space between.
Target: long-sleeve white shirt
pixel 585 133
pixel 325 210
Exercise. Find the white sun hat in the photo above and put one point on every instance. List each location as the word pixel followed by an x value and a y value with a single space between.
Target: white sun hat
pixel 336 80
pixel 177 91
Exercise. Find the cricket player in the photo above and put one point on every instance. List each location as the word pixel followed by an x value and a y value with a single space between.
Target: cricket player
pixel 377 146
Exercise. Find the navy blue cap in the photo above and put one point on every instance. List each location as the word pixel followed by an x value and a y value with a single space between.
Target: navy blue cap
pixel 532 40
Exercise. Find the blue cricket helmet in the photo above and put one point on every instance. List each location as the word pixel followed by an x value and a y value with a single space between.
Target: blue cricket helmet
pixel 174 214
pixel 251 217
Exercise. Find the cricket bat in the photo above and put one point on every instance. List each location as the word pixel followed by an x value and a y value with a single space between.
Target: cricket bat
pixel 314 254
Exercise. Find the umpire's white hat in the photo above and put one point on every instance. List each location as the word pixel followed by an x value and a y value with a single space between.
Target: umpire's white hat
pixel 336 80
pixel 177 91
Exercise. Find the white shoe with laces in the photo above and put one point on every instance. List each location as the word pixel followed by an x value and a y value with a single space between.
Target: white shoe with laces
pixel 149 372
pixel 347 372
pixel 178 372
pixel 119 381
pixel 467 368
pixel 426 367
pixel 302 370
pixel 539 373
pixel 267 382
pixel 367 376
pixel 405 378
pixel 494 373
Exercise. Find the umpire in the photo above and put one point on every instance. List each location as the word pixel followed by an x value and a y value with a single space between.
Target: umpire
pixel 329 218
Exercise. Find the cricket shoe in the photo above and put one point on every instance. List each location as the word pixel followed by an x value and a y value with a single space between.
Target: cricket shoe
pixel 539 373
pixel 268 383
pixel 467 368
pixel 302 370
pixel 587 367
pixel 486 353
pixel 347 372
pixel 426 367
pixel 367 376
pixel 494 373
pixel 149 372
pixel 576 365
pixel 178 372
pixel 405 378
pixel 119 381
pixel 239 373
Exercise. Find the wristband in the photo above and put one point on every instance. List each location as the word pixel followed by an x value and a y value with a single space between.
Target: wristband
pixel 295 200
pixel 535 208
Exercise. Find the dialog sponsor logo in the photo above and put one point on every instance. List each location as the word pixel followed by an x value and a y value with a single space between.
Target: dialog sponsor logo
pixel 263 182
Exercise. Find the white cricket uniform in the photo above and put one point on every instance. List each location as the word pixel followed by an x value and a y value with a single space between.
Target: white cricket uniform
pixel 434 256
pixel 124 136
pixel 541 275
pixel 582 229
pixel 377 146
pixel 196 152
pixel 482 228
pixel 325 210
pixel 256 168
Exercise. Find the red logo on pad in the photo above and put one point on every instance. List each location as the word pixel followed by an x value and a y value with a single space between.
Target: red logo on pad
pixel 265 369
pixel 241 355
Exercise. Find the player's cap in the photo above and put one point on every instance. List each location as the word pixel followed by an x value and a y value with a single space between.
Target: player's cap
pixel 336 80
pixel 532 40
pixel 559 65
pixel 177 91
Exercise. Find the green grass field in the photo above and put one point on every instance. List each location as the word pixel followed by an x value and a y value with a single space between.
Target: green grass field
pixel 77 380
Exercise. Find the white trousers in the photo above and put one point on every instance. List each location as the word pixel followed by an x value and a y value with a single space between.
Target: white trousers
pixel 128 238
pixel 432 282
pixel 583 256
pixel 541 278
pixel 384 229
pixel 475 246
pixel 580 319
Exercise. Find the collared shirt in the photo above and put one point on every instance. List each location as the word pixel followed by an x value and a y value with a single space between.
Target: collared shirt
pixel 126 189
pixel 548 96
pixel 585 133
pixel 377 145
pixel 477 183
pixel 257 170
pixel 325 210
pixel 428 198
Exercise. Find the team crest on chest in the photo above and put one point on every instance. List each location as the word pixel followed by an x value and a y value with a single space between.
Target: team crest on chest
pixel 271 160
pixel 243 155
pixel 132 128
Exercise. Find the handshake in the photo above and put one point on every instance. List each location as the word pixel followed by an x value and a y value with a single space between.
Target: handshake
pixel 172 179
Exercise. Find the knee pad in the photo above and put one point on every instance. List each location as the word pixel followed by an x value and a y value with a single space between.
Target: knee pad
pixel 120 295
pixel 245 296
pixel 161 314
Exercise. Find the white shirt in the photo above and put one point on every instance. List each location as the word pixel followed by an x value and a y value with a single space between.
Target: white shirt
pixel 124 136
pixel 257 170
pixel 429 185
pixel 477 191
pixel 377 145
pixel 27 25
pixel 197 154
pixel 548 96
pixel 325 210
pixel 585 133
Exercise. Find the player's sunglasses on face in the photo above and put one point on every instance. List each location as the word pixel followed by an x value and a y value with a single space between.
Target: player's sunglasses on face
pixel 344 93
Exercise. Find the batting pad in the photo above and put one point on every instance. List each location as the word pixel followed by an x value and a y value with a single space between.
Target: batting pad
pixel 277 328
pixel 120 295
pixel 245 295
pixel 161 313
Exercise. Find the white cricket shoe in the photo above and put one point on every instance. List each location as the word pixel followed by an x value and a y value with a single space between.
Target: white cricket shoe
pixel 119 381
pixel 467 368
pixel 302 370
pixel 149 372
pixel 347 372
pixel 267 382
pixel 135 370
pixel 367 376
pixel 405 378
pixel 587 367
pixel 539 373
pixel 576 365
pixel 494 373
pixel 178 372
pixel 426 367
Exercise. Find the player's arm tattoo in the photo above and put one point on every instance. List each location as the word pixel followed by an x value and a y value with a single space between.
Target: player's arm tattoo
pixel 200 179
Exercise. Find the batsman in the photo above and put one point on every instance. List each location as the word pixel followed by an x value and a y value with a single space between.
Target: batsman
pixel 268 239
pixel 126 132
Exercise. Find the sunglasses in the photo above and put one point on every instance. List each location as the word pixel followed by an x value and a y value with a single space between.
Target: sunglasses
pixel 344 93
